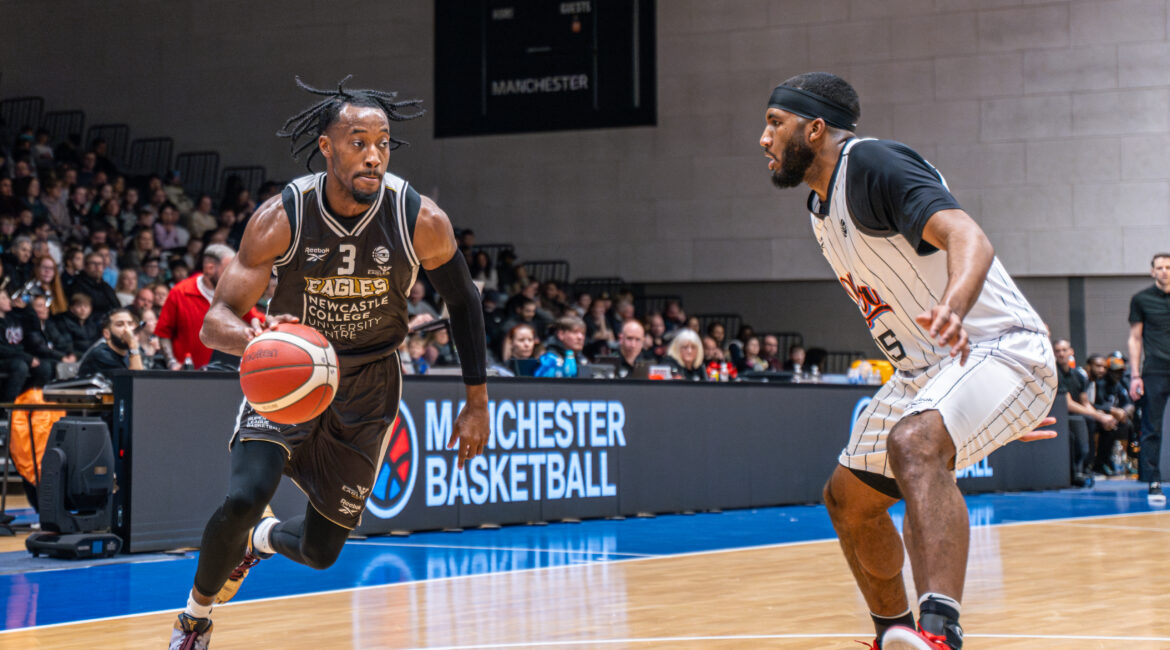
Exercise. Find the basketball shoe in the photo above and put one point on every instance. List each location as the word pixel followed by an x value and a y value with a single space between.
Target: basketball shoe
pixel 903 638
pixel 251 558
pixel 190 633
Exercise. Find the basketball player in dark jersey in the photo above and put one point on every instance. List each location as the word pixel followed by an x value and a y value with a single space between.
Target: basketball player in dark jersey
pixel 346 245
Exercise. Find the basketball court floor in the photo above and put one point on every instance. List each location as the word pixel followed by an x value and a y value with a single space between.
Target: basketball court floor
pixel 1060 569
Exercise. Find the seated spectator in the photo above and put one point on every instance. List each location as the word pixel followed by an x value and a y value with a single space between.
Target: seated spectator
pixel 1110 396
pixel 45 340
pixel 42 151
pixel 414 360
pixel 510 272
pixel 90 283
pixel 56 202
pixel 151 271
pixel 18 261
pixel 179 270
pixel 693 325
pixel 552 299
pixel 176 195
pixel 581 304
pixel 564 350
pixel 168 234
pixel 118 348
pixel 656 342
pixel 521 344
pixel 770 352
pixel 1083 418
pixel 685 357
pixel 521 310
pixel 601 338
pixel 127 287
pixel 46 283
pixel 796 358
pixel 142 248
pixel 79 324
pixel 153 355
pixel 416 303
pixel 482 270
pixel 160 291
pixel 28 190
pixel 73 260
pixel 102 161
pixel 9 204
pixel 674 316
pixel 716 331
pixel 711 349
pixel 202 220
pixel 439 350
pixel 143 301
pixel 631 343
pixel 734 347
pixel 43 234
pixel 23 370
pixel 751 357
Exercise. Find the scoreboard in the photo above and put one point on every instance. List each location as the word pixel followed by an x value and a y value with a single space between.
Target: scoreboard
pixel 514 66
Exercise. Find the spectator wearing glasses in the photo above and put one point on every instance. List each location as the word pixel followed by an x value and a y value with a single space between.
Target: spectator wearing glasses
pixel 685 356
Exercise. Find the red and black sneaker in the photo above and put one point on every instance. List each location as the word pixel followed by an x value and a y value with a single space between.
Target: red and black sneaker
pixel 190 633
pixel 900 637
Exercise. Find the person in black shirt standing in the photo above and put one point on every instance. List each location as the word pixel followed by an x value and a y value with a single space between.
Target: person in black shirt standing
pixel 1149 335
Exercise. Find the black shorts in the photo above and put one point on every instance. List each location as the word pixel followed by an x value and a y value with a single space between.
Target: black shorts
pixel 334 458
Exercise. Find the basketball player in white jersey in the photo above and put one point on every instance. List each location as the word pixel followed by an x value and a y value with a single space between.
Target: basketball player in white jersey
pixel 975 369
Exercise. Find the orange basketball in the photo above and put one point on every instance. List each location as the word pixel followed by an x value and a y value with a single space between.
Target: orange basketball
pixel 289 373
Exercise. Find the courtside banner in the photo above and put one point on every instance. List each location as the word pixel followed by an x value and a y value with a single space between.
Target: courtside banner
pixel 559 449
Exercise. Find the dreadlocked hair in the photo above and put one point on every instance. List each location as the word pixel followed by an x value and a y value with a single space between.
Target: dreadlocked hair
pixel 314 120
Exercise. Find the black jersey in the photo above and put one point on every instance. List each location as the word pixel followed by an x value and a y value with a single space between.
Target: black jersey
pixel 348 277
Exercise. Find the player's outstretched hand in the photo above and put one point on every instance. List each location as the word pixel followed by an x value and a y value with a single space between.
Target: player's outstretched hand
pixel 257 328
pixel 946 327
pixel 1038 434
pixel 470 431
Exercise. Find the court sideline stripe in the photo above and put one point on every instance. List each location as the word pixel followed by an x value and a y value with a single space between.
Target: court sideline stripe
pixel 172 610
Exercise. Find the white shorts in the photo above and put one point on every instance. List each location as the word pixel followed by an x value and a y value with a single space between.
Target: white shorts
pixel 1002 392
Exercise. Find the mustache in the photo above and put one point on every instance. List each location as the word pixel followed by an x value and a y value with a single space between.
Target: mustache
pixel 373 175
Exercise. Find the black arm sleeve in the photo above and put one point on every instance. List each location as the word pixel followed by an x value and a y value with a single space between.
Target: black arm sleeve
pixel 892 188
pixel 453 282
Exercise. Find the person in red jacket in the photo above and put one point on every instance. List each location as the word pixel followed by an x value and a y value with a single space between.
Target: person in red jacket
pixel 187 304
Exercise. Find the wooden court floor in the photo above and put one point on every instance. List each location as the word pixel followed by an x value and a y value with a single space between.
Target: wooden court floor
pixel 1084 583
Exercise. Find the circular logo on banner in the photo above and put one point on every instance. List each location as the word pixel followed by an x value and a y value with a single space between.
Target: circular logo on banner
pixel 399 468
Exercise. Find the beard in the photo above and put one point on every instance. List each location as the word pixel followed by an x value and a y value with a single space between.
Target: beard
pixel 365 198
pixel 798 156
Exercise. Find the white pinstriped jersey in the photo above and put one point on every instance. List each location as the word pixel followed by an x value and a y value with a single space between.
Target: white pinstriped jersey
pixel 891 283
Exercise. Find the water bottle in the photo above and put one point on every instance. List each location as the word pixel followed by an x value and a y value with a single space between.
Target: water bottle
pixel 814 374
pixel 570 364
pixel 724 372
pixel 796 373
pixel 188 364
pixel 854 376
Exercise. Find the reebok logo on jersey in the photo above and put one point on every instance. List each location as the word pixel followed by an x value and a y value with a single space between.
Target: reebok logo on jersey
pixel 347 287
pixel 316 254
pixel 868 300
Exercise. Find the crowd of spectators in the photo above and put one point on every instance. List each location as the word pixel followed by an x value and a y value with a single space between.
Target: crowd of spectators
pixel 81 239
pixel 89 255
pixel 538 329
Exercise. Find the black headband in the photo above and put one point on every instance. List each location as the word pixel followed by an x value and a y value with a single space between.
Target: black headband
pixel 806 104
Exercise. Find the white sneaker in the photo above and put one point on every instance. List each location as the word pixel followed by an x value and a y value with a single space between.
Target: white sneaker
pixel 1156 498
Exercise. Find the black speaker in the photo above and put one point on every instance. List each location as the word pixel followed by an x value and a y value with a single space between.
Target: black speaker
pixel 77 477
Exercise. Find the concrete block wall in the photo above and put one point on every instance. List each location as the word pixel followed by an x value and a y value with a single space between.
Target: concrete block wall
pixel 1049 118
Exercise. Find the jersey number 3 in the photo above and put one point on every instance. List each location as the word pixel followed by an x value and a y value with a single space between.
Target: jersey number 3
pixel 348 254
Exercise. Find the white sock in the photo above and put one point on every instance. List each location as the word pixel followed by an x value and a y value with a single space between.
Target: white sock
pixel 261 537
pixel 195 609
